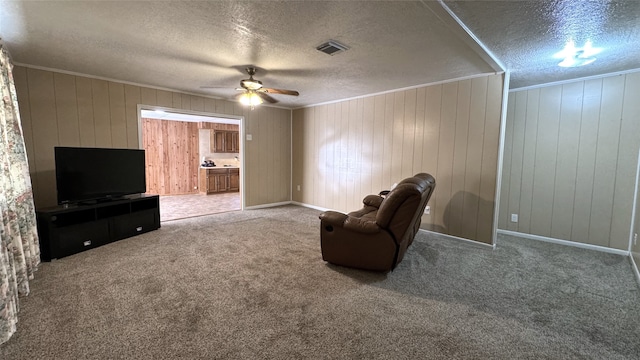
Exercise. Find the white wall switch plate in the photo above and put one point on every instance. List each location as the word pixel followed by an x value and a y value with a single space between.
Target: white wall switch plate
pixel 635 239
pixel 249 137
pixel 514 218
pixel 427 210
pixel 298 187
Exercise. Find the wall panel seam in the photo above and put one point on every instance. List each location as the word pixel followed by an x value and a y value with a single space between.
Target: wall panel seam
pixel 75 87
pixel 110 113
pixel 555 175
pixel 412 116
pixel 524 137
pixel 615 178
pixel 595 157
pixel 536 169
pixel 484 132
pixel 466 157
pixel 535 158
pixel 575 183
pixel 55 106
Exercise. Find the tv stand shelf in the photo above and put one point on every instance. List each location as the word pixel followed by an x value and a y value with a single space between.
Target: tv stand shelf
pixel 64 231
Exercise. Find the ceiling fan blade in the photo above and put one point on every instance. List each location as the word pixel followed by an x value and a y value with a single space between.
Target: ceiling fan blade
pixel 279 91
pixel 266 97
pixel 262 95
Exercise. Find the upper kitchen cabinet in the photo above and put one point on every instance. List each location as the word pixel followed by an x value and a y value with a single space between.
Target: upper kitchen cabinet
pixel 225 140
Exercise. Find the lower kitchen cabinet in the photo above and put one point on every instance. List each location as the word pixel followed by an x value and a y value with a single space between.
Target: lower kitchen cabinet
pixel 234 179
pixel 218 180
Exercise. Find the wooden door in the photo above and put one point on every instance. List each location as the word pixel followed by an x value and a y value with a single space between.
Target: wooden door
pixel 234 179
pixel 222 180
pixel 218 180
pixel 228 142
pixel 212 184
pixel 217 141
pixel 236 141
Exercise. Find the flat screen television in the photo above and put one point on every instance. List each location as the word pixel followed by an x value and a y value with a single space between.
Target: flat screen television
pixel 94 174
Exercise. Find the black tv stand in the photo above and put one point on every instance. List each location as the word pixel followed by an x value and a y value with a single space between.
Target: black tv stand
pixel 69 229
pixel 96 201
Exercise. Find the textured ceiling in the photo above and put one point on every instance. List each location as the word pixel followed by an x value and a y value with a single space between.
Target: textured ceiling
pixel 393 44
pixel 525 35
pixel 186 45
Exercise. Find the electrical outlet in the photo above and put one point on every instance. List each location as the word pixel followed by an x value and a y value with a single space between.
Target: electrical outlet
pixel 427 210
pixel 298 187
pixel 514 218
pixel 249 137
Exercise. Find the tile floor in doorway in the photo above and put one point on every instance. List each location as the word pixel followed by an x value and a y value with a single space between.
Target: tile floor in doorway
pixel 173 207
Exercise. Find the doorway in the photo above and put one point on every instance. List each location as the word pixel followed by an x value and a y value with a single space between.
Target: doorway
pixel 178 144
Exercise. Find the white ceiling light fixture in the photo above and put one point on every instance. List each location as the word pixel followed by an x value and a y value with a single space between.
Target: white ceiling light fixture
pixel 574 57
pixel 250 98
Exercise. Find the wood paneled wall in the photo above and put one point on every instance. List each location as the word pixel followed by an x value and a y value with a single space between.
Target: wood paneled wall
pixel 570 160
pixel 346 150
pixel 68 110
pixel 171 154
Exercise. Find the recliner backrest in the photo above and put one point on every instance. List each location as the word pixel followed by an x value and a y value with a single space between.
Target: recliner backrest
pixel 427 184
pixel 404 205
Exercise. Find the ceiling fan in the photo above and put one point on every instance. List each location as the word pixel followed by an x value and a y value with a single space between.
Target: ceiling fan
pixel 253 93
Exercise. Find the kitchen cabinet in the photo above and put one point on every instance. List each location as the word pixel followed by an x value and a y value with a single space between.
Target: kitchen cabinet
pixel 219 181
pixel 234 179
pixel 225 141
pixel 216 180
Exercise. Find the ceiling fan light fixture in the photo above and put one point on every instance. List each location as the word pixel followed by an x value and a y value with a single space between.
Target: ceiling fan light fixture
pixel 250 98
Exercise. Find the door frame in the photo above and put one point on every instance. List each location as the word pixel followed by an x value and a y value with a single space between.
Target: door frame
pixel 225 118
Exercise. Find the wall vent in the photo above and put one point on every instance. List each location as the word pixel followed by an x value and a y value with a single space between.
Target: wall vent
pixel 332 47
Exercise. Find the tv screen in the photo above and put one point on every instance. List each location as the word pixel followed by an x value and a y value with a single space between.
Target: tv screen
pixel 84 174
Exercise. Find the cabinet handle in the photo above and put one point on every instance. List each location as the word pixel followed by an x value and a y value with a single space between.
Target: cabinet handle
pixel 87 243
pixel 139 228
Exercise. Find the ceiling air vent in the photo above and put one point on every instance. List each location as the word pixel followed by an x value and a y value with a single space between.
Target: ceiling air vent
pixel 332 47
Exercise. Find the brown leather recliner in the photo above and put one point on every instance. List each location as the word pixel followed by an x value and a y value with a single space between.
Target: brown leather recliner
pixel 377 236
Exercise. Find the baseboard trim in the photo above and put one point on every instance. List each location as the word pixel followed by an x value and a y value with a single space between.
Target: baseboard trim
pixel 310 206
pixel 254 207
pixel 635 268
pixel 564 242
pixel 452 237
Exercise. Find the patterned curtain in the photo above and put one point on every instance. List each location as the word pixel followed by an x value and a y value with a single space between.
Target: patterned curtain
pixel 19 247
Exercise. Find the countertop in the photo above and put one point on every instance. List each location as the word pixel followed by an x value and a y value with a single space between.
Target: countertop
pixel 219 167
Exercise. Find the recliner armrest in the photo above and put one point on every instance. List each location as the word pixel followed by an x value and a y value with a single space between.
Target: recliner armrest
pixel 362 226
pixel 373 200
pixel 333 218
pixel 337 219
